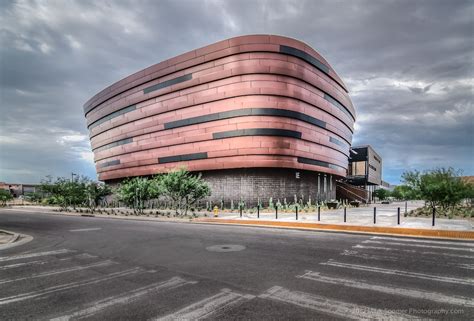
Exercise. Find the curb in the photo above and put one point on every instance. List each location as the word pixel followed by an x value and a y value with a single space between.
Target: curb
pixel 384 230
pixel 15 240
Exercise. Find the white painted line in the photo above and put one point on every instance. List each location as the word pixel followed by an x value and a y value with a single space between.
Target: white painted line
pixel 416 294
pixel 71 269
pixel 204 308
pixel 410 251
pixel 400 272
pixel 128 297
pixel 422 241
pixel 67 286
pixel 86 229
pixel 420 245
pixel 11 266
pixel 429 259
pixel 86 256
pixel 331 307
pixel 30 255
pixel 369 256
pixel 463 266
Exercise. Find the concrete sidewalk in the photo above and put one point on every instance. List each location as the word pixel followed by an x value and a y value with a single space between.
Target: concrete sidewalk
pixel 386 216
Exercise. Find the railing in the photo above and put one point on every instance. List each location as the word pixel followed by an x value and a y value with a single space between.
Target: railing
pixel 350 192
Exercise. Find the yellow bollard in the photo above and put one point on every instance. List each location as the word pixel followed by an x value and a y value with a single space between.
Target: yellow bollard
pixel 216 211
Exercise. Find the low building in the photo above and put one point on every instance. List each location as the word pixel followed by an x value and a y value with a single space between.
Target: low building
pixel 17 190
pixel 259 116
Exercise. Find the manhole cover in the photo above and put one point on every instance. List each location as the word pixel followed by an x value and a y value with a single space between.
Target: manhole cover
pixel 225 248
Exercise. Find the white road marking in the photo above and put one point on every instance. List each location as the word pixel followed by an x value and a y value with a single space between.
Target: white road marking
pixel 204 308
pixel 30 255
pixel 410 251
pixel 86 256
pixel 128 297
pixel 393 258
pixel 48 273
pixel 422 241
pixel 400 272
pixel 369 256
pixel 421 245
pixel 11 266
pixel 331 307
pixel 416 294
pixel 67 286
pixel 86 229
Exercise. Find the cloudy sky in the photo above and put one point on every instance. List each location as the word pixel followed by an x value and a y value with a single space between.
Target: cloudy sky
pixel 408 65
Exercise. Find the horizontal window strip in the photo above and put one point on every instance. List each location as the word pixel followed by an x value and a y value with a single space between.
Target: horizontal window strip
pixel 112 115
pixel 305 56
pixel 181 158
pixel 109 163
pixel 114 144
pixel 246 112
pixel 168 83
pixel 316 162
pixel 338 105
pixel 257 132
pixel 338 142
pixel 309 59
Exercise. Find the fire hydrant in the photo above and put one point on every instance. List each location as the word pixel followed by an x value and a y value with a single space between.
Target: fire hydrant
pixel 216 211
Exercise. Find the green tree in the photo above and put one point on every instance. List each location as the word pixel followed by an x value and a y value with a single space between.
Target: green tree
pixel 134 192
pixel 381 193
pixel 34 197
pixel 404 192
pixel 95 192
pixel 65 192
pixel 183 189
pixel 5 196
pixel 438 187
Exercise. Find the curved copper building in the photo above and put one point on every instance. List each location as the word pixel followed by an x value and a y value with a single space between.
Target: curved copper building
pixel 260 116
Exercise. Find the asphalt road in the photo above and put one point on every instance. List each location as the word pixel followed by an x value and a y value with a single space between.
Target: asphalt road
pixel 107 269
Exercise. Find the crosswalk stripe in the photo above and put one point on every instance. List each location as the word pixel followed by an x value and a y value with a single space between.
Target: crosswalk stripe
pixel 68 286
pixel 471 244
pixel 358 246
pixel 204 308
pixel 332 307
pixel 399 272
pixel 421 245
pixel 416 294
pixel 48 273
pixel 11 266
pixel 30 255
pixel 128 297
pixel 393 258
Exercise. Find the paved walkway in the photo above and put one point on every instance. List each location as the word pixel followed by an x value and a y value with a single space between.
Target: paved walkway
pixel 386 215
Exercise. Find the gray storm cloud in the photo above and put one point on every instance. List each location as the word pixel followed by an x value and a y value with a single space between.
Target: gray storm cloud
pixel 408 65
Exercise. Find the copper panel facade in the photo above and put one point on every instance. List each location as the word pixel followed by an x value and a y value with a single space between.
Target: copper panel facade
pixel 258 101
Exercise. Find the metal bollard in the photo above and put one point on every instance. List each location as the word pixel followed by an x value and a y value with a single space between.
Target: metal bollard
pixel 276 212
pixel 258 211
pixel 240 207
pixel 398 216
pixel 434 214
pixel 406 207
pixel 375 215
pixel 296 212
pixel 344 214
pixel 319 213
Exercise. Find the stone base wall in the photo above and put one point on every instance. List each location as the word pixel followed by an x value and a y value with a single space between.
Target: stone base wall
pixel 252 184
